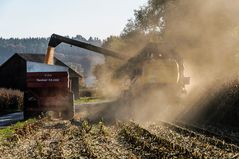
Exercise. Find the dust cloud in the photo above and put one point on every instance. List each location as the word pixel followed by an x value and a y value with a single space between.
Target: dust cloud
pixel 206 35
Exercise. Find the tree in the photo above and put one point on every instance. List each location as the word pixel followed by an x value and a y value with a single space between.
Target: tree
pixel 149 18
pixel 147 25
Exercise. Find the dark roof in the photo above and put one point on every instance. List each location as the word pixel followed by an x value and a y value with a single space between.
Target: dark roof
pixel 32 57
pixel 40 58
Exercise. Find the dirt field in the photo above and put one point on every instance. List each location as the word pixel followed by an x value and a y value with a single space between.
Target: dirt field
pixel 80 139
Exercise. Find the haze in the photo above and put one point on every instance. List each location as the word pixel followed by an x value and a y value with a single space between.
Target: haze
pixel 30 18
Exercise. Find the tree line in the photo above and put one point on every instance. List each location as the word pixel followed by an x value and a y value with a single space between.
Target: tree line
pixel 82 60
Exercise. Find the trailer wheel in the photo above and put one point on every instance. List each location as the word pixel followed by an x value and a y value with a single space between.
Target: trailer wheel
pixel 27 115
pixel 31 114
pixel 68 113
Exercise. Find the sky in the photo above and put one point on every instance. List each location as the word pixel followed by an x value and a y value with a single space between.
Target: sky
pixel 41 18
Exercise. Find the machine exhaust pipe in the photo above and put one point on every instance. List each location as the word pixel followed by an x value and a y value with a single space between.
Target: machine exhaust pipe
pixel 49 58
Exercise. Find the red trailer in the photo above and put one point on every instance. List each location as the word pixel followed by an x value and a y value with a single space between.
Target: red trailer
pixel 48 89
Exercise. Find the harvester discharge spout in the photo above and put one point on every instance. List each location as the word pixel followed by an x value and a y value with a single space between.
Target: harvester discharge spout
pixel 55 40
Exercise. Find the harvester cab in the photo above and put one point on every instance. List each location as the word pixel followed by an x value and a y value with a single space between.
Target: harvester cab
pixel 154 67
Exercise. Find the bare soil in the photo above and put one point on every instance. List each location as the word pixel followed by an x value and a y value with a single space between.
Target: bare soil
pixel 81 139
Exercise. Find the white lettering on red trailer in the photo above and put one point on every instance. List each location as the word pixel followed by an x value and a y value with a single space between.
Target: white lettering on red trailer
pixel 48 80
pixel 48 75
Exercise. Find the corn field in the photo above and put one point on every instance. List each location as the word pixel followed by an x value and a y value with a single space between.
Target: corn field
pixel 46 138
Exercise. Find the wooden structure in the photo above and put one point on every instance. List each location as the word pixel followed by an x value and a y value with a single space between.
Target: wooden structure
pixel 47 89
pixel 13 73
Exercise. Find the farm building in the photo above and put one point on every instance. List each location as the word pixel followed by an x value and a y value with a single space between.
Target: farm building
pixel 13 71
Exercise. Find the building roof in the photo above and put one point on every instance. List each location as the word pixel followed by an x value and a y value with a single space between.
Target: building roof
pixel 40 59
pixel 42 67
